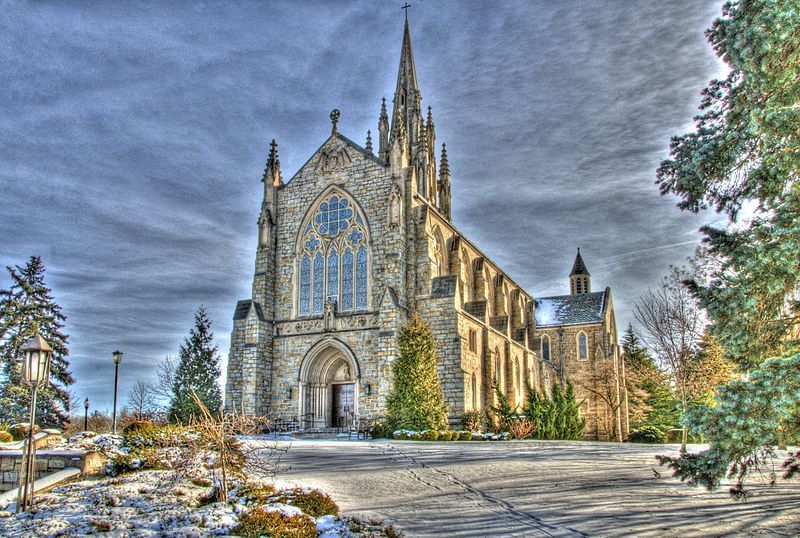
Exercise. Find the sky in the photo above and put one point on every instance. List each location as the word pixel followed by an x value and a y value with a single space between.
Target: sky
pixel 133 137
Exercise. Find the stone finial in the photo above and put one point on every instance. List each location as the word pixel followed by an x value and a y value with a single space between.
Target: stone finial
pixel 335 120
pixel 273 169
pixel 430 117
pixel 368 147
pixel 384 115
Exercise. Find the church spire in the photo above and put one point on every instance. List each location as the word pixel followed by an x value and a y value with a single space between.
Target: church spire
pixel 383 132
pixel 407 100
pixel 580 281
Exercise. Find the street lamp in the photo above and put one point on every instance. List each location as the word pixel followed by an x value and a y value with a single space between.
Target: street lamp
pixel 86 415
pixel 117 356
pixel 36 354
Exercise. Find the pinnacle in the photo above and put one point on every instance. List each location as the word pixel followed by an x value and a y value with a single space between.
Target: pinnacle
pixel 444 166
pixel 368 147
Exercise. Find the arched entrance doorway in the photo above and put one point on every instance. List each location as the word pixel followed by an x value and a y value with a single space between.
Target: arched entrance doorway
pixel 328 378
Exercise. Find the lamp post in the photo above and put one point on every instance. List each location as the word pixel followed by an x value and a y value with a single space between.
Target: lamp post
pixel 86 415
pixel 35 373
pixel 117 356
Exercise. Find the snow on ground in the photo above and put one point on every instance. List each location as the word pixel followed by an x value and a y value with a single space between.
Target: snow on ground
pixel 148 503
pixel 531 488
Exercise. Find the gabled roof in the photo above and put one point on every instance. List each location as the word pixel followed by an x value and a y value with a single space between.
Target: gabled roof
pixel 347 142
pixel 582 309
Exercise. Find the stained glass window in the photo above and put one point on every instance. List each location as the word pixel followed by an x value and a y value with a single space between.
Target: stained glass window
pixel 333 276
pixel 305 285
pixel 347 280
pixel 333 216
pixel 335 234
pixel 361 278
pixel 546 348
pixel 319 282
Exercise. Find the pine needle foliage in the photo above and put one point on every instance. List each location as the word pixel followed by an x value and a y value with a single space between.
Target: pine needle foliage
pixel 28 308
pixel 502 413
pixel 197 373
pixel 554 418
pixel 745 153
pixel 416 401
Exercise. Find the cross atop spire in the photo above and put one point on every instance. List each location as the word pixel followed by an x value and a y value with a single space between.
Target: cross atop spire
pixel 405 8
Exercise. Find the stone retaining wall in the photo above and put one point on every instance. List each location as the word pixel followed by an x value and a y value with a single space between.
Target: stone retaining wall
pixel 48 462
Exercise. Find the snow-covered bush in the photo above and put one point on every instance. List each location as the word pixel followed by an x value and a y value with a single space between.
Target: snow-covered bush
pixel 313 502
pixel 276 523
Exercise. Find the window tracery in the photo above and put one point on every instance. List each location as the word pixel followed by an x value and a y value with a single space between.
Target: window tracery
pixel 333 257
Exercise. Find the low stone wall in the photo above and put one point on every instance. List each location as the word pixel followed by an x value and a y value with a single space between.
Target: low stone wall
pixel 48 462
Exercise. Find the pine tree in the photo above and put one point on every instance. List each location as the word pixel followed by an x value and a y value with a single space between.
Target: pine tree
pixel 416 401
pixel 650 399
pixel 745 150
pixel 28 308
pixel 503 412
pixel 198 371
pixel 573 423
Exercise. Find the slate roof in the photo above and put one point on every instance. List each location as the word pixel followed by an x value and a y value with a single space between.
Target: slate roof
pixel 243 308
pixel 582 309
pixel 579 268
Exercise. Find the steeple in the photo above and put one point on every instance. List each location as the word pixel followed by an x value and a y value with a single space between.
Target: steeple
pixel 444 184
pixel 580 281
pixel 407 100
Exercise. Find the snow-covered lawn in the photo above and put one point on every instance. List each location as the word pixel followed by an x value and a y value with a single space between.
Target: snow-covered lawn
pixel 531 488
pixel 148 503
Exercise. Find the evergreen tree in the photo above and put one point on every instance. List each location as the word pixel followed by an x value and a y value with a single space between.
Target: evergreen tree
pixel 198 370
pixel 573 423
pixel 532 408
pixel 416 401
pixel 503 412
pixel 650 399
pixel 558 411
pixel 745 150
pixel 28 308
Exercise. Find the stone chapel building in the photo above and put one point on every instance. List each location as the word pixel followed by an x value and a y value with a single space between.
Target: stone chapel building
pixel 359 239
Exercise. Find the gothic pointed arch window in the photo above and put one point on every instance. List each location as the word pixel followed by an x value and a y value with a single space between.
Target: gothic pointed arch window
pixel 583 346
pixel 546 348
pixel 439 256
pixel 333 256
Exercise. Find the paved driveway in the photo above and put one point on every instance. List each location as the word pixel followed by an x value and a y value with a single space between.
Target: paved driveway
pixel 531 488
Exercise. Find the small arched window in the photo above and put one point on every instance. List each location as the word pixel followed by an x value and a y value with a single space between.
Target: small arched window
pixel 333 257
pixel 546 348
pixel 583 346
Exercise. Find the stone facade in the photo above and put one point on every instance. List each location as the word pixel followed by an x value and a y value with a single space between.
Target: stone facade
pixel 353 244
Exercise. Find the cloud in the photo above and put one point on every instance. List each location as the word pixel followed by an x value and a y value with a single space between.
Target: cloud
pixel 134 137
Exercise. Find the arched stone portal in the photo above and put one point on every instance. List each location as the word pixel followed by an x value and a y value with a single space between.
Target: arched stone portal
pixel 329 376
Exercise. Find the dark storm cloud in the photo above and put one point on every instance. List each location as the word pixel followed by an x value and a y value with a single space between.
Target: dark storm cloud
pixel 133 137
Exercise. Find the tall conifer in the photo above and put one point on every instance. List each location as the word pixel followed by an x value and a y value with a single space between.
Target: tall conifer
pixel 416 401
pixel 198 370
pixel 745 152
pixel 28 308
